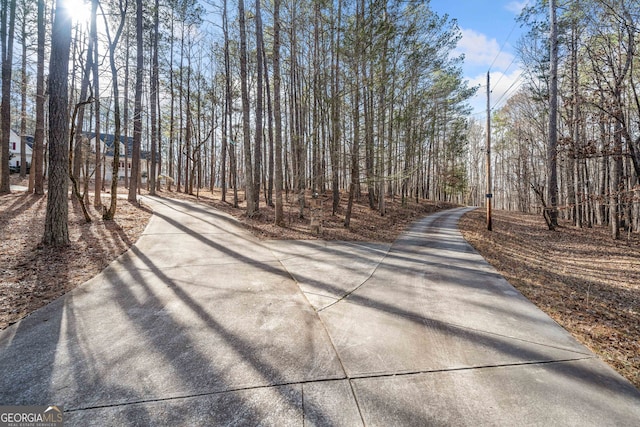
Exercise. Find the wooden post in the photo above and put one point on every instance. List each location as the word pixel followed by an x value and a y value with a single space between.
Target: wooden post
pixel 316 215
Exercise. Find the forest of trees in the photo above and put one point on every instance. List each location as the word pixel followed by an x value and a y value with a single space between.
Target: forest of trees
pixel 358 97
pixel 271 98
pixel 598 120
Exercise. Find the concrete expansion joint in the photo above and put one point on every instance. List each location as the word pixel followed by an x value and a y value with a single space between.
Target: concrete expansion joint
pixel 466 368
pixel 205 394
pixel 346 377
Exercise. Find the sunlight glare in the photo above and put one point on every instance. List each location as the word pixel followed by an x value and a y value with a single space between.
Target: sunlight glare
pixel 79 10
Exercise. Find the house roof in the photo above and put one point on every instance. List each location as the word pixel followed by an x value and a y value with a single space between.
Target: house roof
pixel 109 138
pixel 29 138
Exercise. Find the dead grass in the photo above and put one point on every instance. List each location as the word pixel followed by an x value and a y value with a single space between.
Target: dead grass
pixel 584 280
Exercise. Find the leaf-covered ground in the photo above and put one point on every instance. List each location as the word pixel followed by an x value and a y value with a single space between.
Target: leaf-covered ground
pixel 32 275
pixel 366 224
pixel 587 282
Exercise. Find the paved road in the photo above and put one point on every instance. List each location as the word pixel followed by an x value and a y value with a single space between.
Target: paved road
pixel 201 324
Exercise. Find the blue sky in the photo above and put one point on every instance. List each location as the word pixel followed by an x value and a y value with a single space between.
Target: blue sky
pixel 487 26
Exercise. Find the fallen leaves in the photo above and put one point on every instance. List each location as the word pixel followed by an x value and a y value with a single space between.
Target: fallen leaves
pixel 366 224
pixel 583 279
pixel 587 282
pixel 32 275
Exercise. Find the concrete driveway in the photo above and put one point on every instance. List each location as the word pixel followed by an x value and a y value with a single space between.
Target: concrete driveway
pixel 202 324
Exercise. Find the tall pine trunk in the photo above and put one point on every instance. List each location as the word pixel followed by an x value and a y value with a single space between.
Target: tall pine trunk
pixel 38 143
pixel 277 112
pixel 56 230
pixel 23 94
pixel 137 109
pixel 335 115
pixel 7 30
pixel 246 126
pixel 154 98
pixel 257 161
pixel 97 201
pixel 552 146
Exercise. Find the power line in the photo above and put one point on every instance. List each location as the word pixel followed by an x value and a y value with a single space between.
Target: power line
pixel 517 80
pixel 505 72
pixel 506 40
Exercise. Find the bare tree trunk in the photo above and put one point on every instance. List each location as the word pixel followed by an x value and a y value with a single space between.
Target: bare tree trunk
pixel 109 214
pixel 616 183
pixel 154 98
pixel 84 88
pixel 257 163
pixel 335 115
pixel 125 107
pixel 279 211
pixel 23 94
pixel 271 160
pixel 316 97
pixel 382 122
pixel 9 12
pixel 246 127
pixel 552 147
pixel 38 143
pixel 171 154
pixel 137 112
pixel 97 200
pixel 180 113
pixel 75 187
pixel 56 231
pixel 188 130
pixel 576 126
pixel 227 105
pixel 355 145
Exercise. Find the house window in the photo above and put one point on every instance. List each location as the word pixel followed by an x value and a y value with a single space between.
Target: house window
pixel 14 146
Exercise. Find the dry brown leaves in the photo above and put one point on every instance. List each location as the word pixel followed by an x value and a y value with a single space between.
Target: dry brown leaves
pixel 366 224
pixel 587 282
pixel 32 275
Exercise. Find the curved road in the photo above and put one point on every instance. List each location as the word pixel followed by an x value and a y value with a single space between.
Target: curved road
pixel 202 324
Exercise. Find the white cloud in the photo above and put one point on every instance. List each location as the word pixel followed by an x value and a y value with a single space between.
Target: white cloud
pixel 503 86
pixel 479 50
pixel 516 7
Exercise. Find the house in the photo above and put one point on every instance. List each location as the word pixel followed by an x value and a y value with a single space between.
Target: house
pixel 106 146
pixel 15 151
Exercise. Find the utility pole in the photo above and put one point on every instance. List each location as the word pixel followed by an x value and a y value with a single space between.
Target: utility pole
pixel 489 194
